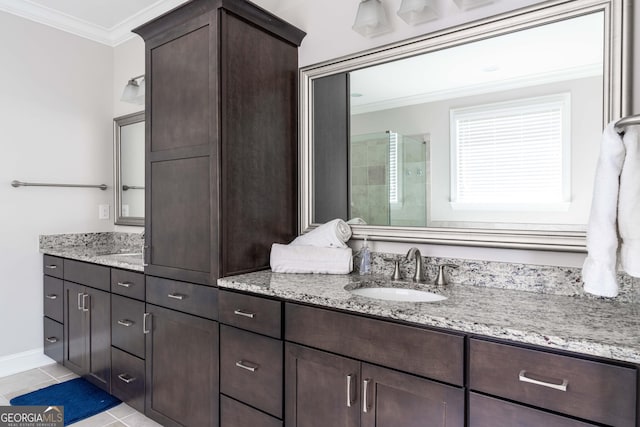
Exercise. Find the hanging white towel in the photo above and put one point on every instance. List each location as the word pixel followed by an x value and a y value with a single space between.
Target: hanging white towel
pixel 310 259
pixel 614 206
pixel 332 234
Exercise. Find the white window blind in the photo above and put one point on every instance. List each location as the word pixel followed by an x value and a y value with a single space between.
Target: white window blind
pixel 511 153
pixel 393 167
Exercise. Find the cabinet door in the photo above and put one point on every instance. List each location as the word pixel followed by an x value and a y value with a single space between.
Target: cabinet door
pixel 391 399
pixel 181 369
pixel 99 329
pixel 321 389
pixel 76 348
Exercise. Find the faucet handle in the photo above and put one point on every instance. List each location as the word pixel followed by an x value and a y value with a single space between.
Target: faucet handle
pixel 441 280
pixel 396 270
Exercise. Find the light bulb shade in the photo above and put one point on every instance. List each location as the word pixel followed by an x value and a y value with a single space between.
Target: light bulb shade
pixel 371 19
pixel 130 91
pixel 470 4
pixel 139 98
pixel 417 11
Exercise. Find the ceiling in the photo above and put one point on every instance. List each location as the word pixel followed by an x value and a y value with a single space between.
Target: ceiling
pixel 105 21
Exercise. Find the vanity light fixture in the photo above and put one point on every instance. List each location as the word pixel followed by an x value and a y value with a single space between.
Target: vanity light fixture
pixel 134 91
pixel 471 4
pixel 371 19
pixel 417 11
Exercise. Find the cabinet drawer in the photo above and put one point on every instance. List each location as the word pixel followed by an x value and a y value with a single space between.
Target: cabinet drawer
pixel 127 381
pixel 235 414
pixel 251 369
pixel 594 391
pixel 127 324
pixel 53 298
pixel 199 300
pixel 53 266
pixel 84 273
pixel 53 340
pixel 256 314
pixel 485 411
pixel 127 283
pixel 431 354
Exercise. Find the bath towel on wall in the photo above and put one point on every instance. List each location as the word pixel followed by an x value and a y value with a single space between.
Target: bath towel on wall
pixel 614 222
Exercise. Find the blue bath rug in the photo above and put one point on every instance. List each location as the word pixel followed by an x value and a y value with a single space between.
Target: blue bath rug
pixel 80 399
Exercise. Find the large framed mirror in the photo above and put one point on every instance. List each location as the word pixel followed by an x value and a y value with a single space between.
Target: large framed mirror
pixel 486 134
pixel 128 134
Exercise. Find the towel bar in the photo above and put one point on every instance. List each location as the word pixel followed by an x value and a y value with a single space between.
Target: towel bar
pixel 627 121
pixel 16 183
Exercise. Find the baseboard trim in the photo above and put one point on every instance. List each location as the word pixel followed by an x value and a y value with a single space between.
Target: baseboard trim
pixel 19 362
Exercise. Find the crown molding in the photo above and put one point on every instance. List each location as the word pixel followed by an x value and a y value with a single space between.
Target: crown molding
pixel 113 36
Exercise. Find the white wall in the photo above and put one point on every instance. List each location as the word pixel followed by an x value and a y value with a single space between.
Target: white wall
pixel 56 109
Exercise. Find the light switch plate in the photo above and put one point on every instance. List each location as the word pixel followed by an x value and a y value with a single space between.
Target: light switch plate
pixel 103 211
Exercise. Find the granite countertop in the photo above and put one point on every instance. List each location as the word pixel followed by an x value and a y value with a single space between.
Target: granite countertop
pixel 121 250
pixel 598 327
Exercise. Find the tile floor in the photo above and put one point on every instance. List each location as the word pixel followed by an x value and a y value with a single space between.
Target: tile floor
pixel 24 382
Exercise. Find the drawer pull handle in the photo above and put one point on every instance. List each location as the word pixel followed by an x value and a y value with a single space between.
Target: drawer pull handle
pixel 523 377
pixel 52 296
pixel 84 302
pixel 349 386
pixel 52 339
pixel 80 301
pixel 144 255
pixel 249 367
pixel 126 378
pixel 365 395
pixel 125 322
pixel 239 312
pixel 145 325
pixel 125 284
pixel 179 297
pixel 51 266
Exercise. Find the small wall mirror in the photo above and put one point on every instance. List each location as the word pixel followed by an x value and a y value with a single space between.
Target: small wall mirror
pixel 128 134
pixel 486 134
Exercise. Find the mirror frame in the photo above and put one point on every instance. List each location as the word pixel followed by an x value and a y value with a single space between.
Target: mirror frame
pixel 616 101
pixel 118 123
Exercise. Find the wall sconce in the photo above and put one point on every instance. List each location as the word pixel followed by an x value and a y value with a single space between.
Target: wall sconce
pixel 134 91
pixel 470 4
pixel 371 19
pixel 417 11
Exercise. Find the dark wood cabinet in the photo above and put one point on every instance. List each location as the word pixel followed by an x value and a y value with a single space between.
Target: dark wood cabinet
pixel 181 369
pixel 221 130
pixel 87 330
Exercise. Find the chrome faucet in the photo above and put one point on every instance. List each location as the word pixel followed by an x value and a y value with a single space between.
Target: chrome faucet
pixel 419 275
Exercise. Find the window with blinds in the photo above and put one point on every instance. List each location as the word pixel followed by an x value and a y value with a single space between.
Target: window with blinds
pixel 511 153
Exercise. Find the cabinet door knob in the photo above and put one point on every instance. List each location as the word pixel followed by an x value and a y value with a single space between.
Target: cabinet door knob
pixel 179 297
pixel 51 296
pixel 239 312
pixel 365 395
pixel 246 365
pixel 52 339
pixel 124 284
pixel 523 377
pixel 126 378
pixel 125 322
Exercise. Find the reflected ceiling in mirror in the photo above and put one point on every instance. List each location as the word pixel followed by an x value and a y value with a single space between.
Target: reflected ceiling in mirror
pixel 484 135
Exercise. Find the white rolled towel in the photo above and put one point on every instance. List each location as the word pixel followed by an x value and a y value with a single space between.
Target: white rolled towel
pixel 332 234
pixel 310 259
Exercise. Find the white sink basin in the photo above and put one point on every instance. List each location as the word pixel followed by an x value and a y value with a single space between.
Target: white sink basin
pixel 398 294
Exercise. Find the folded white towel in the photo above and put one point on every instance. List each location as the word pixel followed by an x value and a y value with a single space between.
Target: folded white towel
pixel 332 234
pixel 615 206
pixel 310 259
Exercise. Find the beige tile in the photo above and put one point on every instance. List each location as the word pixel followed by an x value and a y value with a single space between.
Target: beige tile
pixel 99 420
pixel 22 381
pixel 68 377
pixel 121 411
pixel 117 424
pixel 4 401
pixel 56 370
pixel 26 390
pixel 139 420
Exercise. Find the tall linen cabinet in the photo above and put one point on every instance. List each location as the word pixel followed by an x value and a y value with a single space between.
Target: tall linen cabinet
pixel 221 139
pixel 220 186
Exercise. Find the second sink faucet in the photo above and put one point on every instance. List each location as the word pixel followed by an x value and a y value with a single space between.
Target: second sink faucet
pixel 419 275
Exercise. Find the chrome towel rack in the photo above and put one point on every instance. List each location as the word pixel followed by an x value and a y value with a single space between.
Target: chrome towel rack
pixel 621 124
pixel 16 183
pixel 131 187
